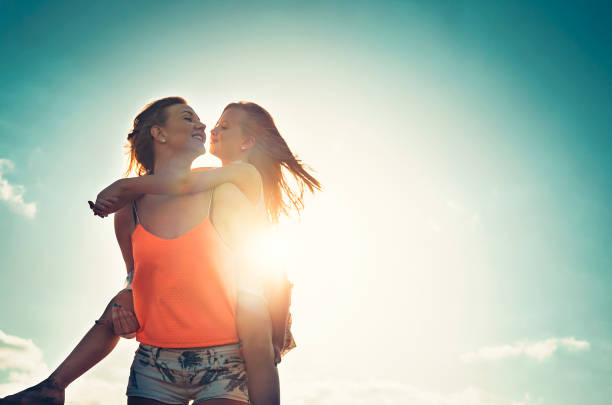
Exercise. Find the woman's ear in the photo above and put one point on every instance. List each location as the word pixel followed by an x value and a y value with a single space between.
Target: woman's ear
pixel 157 134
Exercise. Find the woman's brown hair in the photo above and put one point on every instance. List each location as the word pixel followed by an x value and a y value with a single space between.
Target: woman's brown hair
pixel 270 154
pixel 140 141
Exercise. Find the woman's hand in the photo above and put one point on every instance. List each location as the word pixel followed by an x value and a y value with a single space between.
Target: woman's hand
pixel 119 315
pixel 125 323
pixel 110 200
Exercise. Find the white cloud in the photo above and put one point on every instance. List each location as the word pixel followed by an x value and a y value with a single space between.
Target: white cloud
pixel 345 392
pixel 104 384
pixel 107 381
pixel 463 211
pixel 24 362
pixel 538 350
pixel 455 206
pixel 527 401
pixel 12 194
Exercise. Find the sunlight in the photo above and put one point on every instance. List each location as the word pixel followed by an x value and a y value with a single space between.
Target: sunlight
pixel 268 252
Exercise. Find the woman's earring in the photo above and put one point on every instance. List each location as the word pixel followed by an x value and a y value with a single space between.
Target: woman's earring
pixel 243 148
pixel 163 141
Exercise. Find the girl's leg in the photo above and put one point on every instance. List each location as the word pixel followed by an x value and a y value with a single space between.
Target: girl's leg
pixel 95 345
pixel 255 332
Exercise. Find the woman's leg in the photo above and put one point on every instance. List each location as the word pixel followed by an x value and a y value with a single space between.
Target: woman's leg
pixel 95 345
pixel 255 332
pixel 220 401
pixel 143 401
pixel 215 401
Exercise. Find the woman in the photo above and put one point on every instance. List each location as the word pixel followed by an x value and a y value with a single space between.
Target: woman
pixel 245 132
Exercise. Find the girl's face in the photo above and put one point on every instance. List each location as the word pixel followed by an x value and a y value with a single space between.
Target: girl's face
pixel 183 131
pixel 227 140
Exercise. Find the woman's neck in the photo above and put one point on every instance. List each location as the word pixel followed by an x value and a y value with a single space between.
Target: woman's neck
pixel 172 165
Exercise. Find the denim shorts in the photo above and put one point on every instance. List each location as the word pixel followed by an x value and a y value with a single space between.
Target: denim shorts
pixel 176 376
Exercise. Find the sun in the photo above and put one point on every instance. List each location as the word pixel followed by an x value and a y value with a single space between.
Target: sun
pixel 268 252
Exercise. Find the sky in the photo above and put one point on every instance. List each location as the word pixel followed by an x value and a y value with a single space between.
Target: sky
pixel 459 251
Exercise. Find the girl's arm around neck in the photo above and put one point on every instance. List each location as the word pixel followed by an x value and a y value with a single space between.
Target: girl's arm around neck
pixel 121 192
pixel 241 175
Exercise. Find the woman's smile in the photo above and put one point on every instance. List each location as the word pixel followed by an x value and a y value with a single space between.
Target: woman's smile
pixel 201 136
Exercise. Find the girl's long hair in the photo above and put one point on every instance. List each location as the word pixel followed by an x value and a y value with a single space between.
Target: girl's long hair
pixel 274 160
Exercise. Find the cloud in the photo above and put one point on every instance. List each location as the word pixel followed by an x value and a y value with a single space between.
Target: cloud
pixel 353 392
pixel 107 381
pixel 24 362
pixel 12 194
pixel 462 210
pixel 104 384
pixel 19 353
pixel 538 350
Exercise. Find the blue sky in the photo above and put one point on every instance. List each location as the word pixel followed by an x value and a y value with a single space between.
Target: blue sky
pixel 459 252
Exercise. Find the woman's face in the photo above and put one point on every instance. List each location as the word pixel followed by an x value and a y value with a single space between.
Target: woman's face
pixel 183 131
pixel 227 140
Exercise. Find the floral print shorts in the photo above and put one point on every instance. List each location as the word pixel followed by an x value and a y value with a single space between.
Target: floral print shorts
pixel 176 376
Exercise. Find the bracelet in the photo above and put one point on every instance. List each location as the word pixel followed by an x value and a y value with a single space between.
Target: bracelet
pixel 128 280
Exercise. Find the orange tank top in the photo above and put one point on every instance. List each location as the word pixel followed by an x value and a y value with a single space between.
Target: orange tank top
pixel 184 290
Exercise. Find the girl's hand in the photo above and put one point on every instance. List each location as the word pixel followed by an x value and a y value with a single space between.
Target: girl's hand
pixel 109 200
pixel 94 209
pixel 277 354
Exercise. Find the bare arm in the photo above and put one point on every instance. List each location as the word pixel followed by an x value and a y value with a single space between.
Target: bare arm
pixel 122 191
pixel 124 321
pixel 194 182
pixel 124 226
